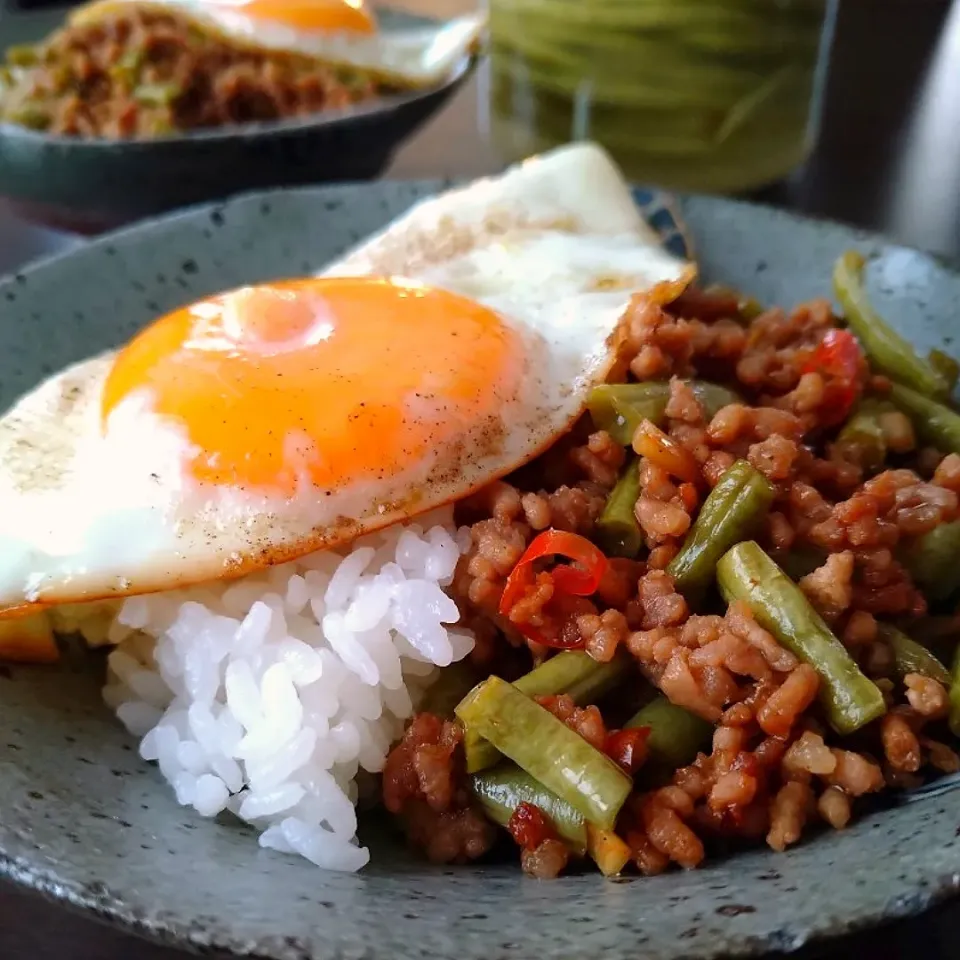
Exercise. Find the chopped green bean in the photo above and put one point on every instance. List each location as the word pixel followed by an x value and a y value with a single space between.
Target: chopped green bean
pixel 934 560
pixel 608 851
pixel 888 351
pixel 849 699
pixel 127 67
pixel 750 309
pixel 156 94
pixel 501 790
pixel 933 629
pixel 453 684
pixel 619 408
pixel 26 115
pixel 862 438
pixel 617 529
pixel 615 411
pixel 736 505
pixel 23 55
pixel 937 425
pixel 676 735
pixel 802 560
pixel 946 366
pixel 954 718
pixel 912 657
pixel 547 749
pixel 572 672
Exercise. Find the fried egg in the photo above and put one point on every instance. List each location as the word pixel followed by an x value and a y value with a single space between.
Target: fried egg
pixel 271 421
pixel 341 33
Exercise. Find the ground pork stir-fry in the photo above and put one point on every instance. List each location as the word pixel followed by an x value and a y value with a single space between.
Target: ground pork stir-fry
pixel 764 453
pixel 143 73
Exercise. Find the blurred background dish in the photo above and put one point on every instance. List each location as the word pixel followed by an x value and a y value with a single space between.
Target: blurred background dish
pixel 713 96
pixel 115 155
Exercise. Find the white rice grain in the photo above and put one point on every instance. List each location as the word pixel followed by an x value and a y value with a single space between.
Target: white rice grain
pixel 271 695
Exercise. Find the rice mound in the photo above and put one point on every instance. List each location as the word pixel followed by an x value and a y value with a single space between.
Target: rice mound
pixel 269 696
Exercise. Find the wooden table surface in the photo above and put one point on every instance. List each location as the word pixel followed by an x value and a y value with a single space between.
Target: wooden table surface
pixel 889 160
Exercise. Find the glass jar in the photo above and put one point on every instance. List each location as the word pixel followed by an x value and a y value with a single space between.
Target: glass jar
pixel 717 96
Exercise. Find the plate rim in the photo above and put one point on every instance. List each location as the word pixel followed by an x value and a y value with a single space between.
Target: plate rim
pixel 106 906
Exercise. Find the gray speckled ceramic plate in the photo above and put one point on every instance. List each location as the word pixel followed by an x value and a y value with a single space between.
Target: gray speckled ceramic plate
pixel 83 819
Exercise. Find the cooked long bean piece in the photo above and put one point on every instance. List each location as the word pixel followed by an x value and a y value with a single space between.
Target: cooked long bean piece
pixel 849 699
pixel 501 790
pixel 937 424
pixel 802 560
pixel 912 657
pixel 954 719
pixel 572 672
pixel 535 740
pixel 619 408
pixel 862 438
pixel 676 735
pixel 617 529
pixel 731 513
pixel 450 687
pixel 946 366
pixel 934 560
pixel 888 351
pixel 607 850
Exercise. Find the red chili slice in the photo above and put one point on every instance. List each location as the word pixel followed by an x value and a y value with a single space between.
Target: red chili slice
pixel 839 359
pixel 529 826
pixel 627 748
pixel 579 581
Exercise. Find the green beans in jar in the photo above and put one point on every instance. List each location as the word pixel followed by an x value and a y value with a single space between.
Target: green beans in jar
pixel 709 95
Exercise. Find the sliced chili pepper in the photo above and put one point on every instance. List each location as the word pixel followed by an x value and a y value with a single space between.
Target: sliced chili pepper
pixel 627 748
pixel 579 581
pixel 661 449
pixel 528 826
pixel 839 359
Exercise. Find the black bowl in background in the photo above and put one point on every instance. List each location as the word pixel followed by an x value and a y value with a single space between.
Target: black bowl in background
pixel 90 185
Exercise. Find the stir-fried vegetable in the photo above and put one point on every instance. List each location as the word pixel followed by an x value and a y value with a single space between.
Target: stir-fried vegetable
pixel 934 560
pixel 862 437
pixel 572 672
pixel 839 356
pixel 617 529
pixel 954 718
pixel 619 408
pixel 746 573
pixel 946 366
pixel 888 351
pixel 802 560
pixel 156 94
pixel 501 790
pixel 662 450
pixel 548 750
pixel 580 580
pixel 731 513
pixel 937 424
pixel 912 657
pixel 453 684
pixel 607 850
pixel 676 735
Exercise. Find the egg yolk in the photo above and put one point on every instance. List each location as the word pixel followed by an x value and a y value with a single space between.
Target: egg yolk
pixel 337 380
pixel 309 15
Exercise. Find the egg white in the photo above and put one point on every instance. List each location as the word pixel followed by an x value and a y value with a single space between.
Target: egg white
pixel 555 246
pixel 416 56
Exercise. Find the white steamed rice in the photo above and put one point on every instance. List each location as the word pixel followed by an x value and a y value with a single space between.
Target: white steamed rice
pixel 270 696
